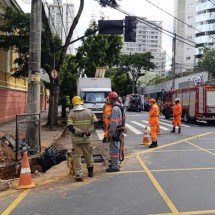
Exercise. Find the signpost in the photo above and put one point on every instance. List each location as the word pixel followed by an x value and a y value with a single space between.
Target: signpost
pixel 54 74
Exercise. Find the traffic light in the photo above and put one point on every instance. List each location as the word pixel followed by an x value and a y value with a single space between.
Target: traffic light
pixel 130 29
pixel 110 26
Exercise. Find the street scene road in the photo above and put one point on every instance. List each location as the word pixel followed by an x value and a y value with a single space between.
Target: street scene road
pixel 174 178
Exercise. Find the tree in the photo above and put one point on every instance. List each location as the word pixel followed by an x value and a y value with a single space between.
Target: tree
pixel 68 79
pixel 14 38
pixel 136 65
pixel 16 33
pixel 207 62
pixel 98 50
pixel 121 82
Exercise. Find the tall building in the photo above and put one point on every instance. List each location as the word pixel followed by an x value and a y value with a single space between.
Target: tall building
pixel 205 23
pixel 61 17
pixel 148 39
pixel 185 10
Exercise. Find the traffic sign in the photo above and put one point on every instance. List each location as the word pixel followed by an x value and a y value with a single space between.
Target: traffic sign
pixel 54 74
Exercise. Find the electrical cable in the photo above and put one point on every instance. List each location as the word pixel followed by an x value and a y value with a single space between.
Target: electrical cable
pixel 143 20
pixel 178 18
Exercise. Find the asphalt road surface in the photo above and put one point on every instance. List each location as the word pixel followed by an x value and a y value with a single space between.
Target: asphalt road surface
pixel 177 177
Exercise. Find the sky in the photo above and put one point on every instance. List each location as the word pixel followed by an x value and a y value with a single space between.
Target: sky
pixel 140 8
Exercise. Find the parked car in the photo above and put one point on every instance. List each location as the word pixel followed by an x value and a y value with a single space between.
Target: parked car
pixel 133 102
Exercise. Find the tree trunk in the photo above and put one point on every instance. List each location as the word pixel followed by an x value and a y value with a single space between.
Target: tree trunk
pixel 63 111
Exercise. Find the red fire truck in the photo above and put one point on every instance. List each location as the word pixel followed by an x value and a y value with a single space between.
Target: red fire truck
pixel 197 100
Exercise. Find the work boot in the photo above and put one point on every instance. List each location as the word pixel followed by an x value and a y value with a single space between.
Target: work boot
pixel 112 170
pixel 90 171
pixel 79 179
pixel 153 145
pixel 173 130
pixel 179 130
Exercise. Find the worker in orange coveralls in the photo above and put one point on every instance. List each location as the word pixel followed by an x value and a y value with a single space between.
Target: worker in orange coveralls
pixel 154 122
pixel 176 116
pixel 106 115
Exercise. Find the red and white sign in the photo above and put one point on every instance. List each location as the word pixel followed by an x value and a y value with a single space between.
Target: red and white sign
pixel 54 74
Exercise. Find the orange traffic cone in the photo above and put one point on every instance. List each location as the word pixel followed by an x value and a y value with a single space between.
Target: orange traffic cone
pixel 25 180
pixel 146 137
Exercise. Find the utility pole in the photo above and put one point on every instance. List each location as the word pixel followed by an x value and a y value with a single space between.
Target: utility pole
pixel 173 60
pixel 34 67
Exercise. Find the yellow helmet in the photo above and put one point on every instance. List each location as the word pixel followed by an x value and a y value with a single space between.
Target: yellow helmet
pixel 76 100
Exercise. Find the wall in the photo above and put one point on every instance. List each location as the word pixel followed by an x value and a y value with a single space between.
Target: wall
pixel 168 84
pixel 13 102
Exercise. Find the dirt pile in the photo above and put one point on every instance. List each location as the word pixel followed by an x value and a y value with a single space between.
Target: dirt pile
pixel 7 148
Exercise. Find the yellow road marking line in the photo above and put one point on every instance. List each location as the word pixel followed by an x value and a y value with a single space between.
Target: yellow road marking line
pixel 14 204
pixel 167 145
pixel 202 149
pixel 189 212
pixel 187 169
pixel 158 187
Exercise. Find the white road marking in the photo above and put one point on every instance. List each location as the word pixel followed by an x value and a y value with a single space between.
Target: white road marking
pixel 187 126
pixel 170 125
pixel 133 129
pixel 141 125
pixel 161 127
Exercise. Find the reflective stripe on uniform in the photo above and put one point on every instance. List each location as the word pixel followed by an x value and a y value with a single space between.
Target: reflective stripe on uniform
pixel 114 156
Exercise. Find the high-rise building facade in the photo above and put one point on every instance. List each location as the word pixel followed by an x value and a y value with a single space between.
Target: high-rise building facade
pixel 148 39
pixel 184 10
pixel 205 23
pixel 61 17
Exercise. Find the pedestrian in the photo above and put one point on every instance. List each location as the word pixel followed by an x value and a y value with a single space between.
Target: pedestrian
pixel 116 129
pixel 176 116
pixel 81 123
pixel 154 122
pixel 106 117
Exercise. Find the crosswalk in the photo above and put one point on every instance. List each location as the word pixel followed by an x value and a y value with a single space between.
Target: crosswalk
pixel 137 127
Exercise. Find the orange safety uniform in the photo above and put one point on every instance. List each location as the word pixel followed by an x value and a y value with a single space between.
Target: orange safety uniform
pixel 106 115
pixel 154 121
pixel 177 115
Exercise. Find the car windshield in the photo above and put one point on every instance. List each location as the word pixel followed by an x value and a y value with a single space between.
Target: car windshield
pixel 94 97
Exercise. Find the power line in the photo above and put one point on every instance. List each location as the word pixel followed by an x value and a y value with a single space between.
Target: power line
pixel 178 18
pixel 156 26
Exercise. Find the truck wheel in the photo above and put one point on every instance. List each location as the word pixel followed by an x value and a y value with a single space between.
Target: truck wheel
pixel 210 122
pixel 185 117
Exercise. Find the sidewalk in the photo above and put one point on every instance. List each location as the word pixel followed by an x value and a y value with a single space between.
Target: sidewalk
pixel 60 140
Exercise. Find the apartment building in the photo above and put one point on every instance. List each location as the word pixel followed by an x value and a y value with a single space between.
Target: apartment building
pixel 185 10
pixel 205 23
pixel 61 16
pixel 148 38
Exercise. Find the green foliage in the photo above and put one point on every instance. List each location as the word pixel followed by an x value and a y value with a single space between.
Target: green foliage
pixel 121 82
pixel 98 50
pixel 136 64
pixel 207 61
pixel 68 77
pixel 16 35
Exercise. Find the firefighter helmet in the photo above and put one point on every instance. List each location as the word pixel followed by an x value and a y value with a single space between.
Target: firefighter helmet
pixel 76 100
pixel 113 95
pixel 177 99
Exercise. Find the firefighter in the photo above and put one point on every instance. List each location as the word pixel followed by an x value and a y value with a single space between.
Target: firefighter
pixel 176 116
pixel 154 122
pixel 81 123
pixel 106 116
pixel 116 121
